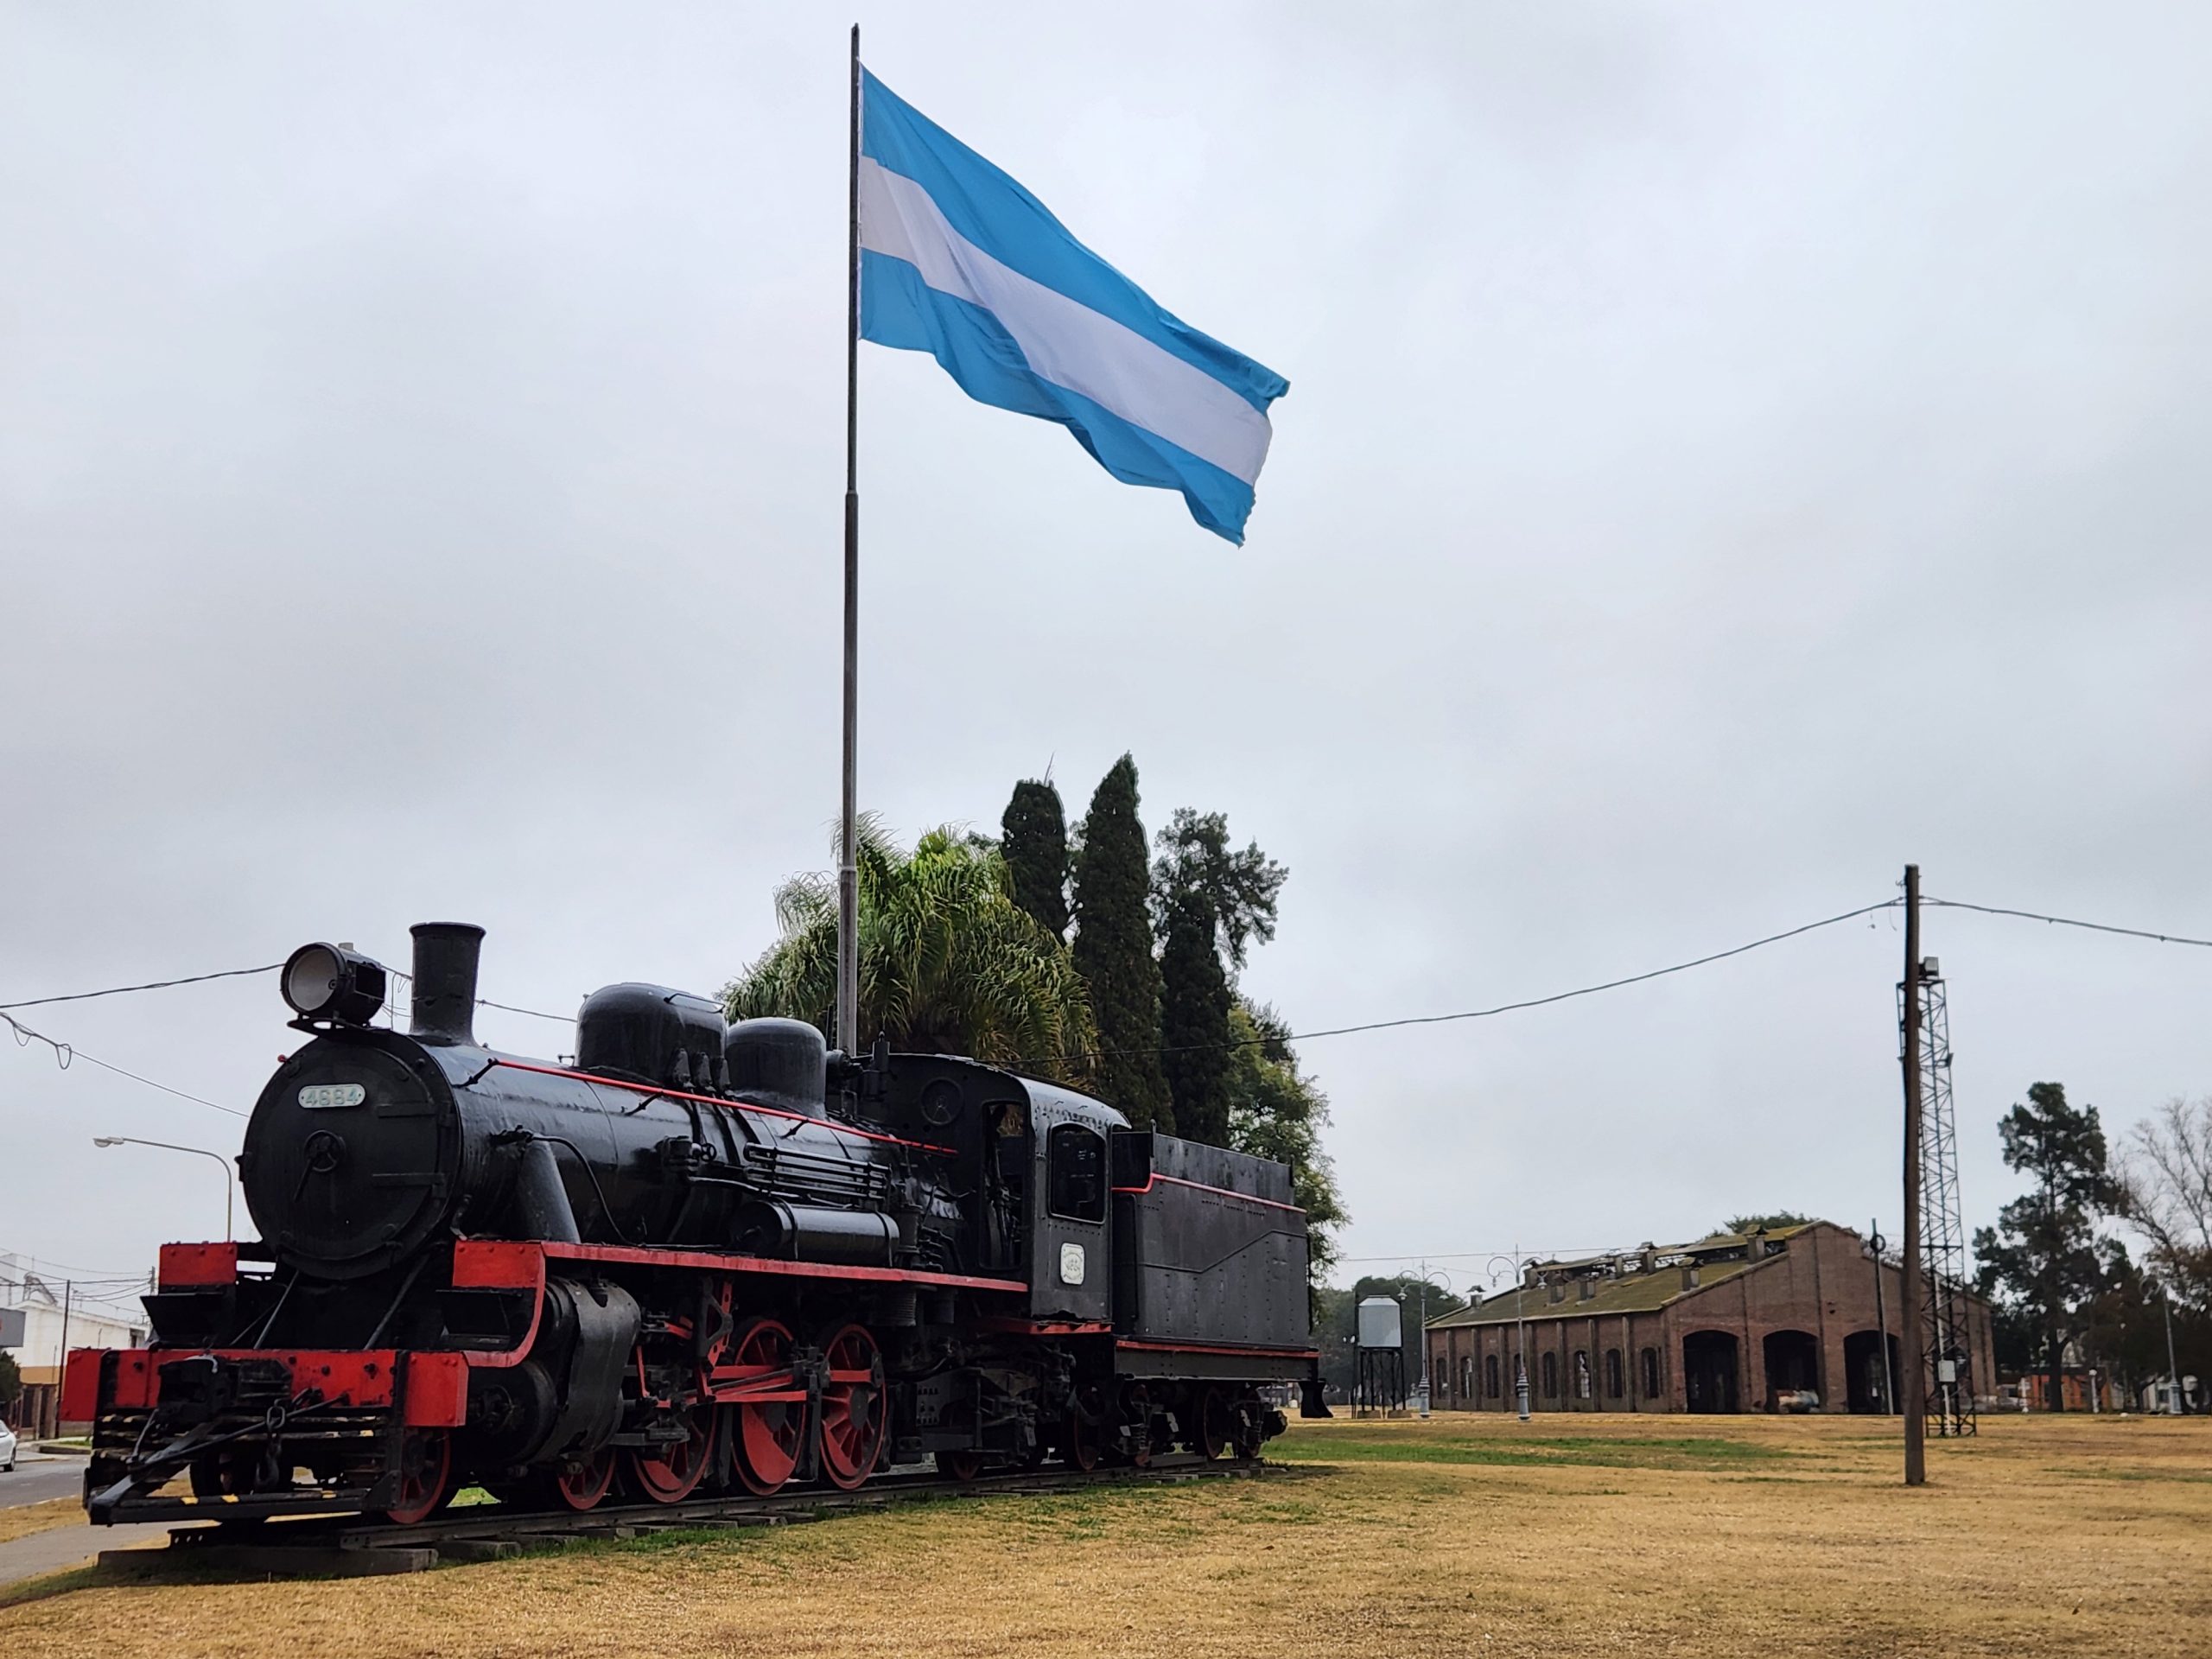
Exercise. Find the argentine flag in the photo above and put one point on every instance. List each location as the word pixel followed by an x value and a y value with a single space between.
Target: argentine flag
pixel 959 261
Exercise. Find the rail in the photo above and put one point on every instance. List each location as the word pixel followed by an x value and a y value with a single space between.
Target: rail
pixel 350 1546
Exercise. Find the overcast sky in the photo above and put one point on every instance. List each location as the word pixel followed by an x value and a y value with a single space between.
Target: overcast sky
pixel 1731 450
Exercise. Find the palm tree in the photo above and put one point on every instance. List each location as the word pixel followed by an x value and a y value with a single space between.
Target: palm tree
pixel 949 964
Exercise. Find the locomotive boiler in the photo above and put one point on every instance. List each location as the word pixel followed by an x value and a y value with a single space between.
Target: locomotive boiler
pixel 694 1256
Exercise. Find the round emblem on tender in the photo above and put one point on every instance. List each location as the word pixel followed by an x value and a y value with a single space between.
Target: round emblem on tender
pixel 1071 1264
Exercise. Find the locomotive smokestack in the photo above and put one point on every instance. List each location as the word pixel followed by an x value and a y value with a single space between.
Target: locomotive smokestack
pixel 445 981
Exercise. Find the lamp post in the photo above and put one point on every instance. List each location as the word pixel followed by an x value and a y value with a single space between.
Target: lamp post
pixel 167 1145
pixel 2173 1366
pixel 1520 1328
pixel 1427 1367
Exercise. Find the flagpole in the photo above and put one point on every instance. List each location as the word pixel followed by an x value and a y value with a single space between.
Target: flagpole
pixel 849 953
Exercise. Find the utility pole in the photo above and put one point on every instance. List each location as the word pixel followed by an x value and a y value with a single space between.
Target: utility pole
pixel 61 1366
pixel 1915 1380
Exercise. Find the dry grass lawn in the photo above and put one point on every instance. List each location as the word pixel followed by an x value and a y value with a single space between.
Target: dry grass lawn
pixel 1667 1537
pixel 27 1518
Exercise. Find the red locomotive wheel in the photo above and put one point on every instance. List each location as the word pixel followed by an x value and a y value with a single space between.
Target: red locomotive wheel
pixel 581 1487
pixel 960 1466
pixel 673 1473
pixel 1079 1442
pixel 767 1429
pixel 425 1476
pixel 855 1406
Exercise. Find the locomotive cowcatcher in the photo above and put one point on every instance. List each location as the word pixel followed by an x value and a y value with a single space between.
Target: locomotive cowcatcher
pixel 700 1257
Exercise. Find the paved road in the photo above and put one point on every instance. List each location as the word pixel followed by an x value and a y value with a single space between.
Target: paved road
pixel 38 1477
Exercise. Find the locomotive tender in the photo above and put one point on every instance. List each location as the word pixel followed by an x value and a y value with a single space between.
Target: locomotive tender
pixel 701 1257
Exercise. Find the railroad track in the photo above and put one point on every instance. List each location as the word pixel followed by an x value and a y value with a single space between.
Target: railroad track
pixel 350 1547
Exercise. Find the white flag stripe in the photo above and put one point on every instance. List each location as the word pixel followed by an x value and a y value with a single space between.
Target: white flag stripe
pixel 1066 343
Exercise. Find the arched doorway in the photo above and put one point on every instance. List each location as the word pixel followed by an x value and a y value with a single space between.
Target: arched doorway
pixel 1793 1368
pixel 1709 1371
pixel 1867 1389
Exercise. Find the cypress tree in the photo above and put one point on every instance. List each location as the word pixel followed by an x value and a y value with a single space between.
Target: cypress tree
pixel 1034 837
pixel 1213 900
pixel 1194 1007
pixel 1113 950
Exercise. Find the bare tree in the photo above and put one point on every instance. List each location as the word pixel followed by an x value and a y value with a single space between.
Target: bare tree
pixel 2166 1184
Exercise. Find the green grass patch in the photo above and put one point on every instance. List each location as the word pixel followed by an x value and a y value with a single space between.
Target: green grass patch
pixel 1354 1444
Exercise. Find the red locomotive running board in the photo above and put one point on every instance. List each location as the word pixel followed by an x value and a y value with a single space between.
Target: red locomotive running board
pixel 1218 1348
pixel 1200 1186
pixel 486 1262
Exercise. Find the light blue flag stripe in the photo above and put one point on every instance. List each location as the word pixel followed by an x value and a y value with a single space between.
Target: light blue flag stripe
pixel 960 261
pixel 901 311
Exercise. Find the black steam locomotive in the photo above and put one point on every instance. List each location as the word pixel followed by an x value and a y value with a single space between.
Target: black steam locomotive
pixel 703 1257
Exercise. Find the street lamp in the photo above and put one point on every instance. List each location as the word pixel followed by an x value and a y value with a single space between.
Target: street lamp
pixel 1520 1327
pixel 166 1146
pixel 1427 1275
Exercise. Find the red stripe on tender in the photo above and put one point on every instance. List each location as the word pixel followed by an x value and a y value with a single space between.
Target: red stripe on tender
pixel 1226 1191
pixel 713 1262
pixel 1217 1348
pixel 717 1100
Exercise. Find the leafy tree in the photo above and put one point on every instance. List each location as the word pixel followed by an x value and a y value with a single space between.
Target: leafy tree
pixel 1113 950
pixel 2123 1326
pixel 12 1384
pixel 1034 837
pixel 949 964
pixel 1212 902
pixel 2043 1253
pixel 1774 1223
pixel 1275 1111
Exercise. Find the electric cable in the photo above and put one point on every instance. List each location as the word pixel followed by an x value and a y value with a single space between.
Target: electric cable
pixel 65 1053
pixel 151 985
pixel 2066 921
pixel 1502 1007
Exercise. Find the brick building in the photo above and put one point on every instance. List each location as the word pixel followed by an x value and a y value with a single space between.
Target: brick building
pixel 1767 1321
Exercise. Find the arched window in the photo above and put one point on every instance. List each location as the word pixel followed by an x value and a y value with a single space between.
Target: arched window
pixel 1551 1376
pixel 1489 1376
pixel 1466 1376
pixel 1581 1374
pixel 1651 1373
pixel 1613 1378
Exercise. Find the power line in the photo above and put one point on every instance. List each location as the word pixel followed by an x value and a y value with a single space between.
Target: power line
pixel 65 1053
pixel 151 985
pixel 2068 921
pixel 1503 1008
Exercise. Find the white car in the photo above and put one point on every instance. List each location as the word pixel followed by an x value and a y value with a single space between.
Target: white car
pixel 7 1448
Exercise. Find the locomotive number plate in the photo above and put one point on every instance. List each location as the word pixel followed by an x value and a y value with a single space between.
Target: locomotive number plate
pixel 325 1097
pixel 1071 1264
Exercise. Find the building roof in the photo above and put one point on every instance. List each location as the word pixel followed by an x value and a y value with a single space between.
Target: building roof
pixel 1620 1283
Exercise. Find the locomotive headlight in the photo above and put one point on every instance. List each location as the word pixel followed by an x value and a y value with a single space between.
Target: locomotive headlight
pixel 329 981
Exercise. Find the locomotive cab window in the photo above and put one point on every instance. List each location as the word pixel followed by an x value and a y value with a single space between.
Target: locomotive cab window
pixel 1075 1172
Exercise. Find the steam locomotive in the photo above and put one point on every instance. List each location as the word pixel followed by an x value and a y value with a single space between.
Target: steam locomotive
pixel 700 1257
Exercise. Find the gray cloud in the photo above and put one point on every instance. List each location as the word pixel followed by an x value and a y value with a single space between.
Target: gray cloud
pixel 1729 452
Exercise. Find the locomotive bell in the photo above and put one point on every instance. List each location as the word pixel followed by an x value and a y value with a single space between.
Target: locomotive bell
pixel 333 981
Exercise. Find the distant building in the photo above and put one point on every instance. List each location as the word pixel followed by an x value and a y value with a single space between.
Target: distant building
pixel 1767 1321
pixel 40 1313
